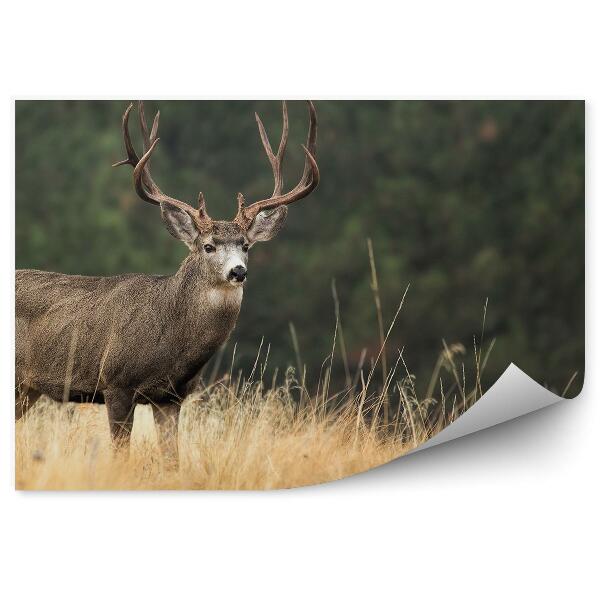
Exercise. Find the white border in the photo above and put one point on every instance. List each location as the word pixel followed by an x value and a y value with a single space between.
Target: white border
pixel 511 512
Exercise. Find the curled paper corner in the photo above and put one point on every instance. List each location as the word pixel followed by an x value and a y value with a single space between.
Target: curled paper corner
pixel 513 395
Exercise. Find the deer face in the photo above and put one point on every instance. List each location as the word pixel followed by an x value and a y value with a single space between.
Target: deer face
pixel 223 248
pixel 224 254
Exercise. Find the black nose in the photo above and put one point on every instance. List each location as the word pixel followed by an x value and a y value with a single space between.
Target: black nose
pixel 238 273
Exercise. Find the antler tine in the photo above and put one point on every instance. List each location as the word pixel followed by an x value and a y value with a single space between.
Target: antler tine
pixel 275 160
pixel 143 125
pixel 308 182
pixel 132 158
pixel 311 140
pixel 202 206
pixel 154 131
pixel 148 139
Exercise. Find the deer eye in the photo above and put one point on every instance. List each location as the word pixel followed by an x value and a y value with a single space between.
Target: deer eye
pixel 209 248
pixel 245 247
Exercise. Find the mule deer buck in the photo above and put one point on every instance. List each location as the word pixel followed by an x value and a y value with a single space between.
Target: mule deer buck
pixel 141 339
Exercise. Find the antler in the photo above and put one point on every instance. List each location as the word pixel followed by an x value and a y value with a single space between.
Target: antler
pixel 144 184
pixel 307 183
pixel 148 190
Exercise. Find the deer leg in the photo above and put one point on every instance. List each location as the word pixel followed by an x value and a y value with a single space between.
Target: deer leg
pixel 120 407
pixel 25 398
pixel 166 420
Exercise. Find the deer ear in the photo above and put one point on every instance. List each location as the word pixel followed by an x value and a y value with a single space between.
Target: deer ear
pixel 179 224
pixel 267 224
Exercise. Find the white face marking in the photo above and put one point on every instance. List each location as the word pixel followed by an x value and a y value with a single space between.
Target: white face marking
pixel 235 258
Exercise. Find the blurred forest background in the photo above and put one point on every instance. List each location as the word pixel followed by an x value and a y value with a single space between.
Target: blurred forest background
pixel 464 200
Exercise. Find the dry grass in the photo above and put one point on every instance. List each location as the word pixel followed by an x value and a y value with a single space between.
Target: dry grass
pixel 237 435
pixel 263 444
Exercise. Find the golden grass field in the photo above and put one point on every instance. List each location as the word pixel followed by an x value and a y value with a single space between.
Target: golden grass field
pixel 261 445
pixel 233 435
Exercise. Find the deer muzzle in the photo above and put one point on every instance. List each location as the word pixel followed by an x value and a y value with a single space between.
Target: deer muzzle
pixel 238 274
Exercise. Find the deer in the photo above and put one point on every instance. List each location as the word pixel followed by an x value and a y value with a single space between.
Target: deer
pixel 136 339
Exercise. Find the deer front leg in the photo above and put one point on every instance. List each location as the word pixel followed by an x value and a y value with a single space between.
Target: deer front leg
pixel 166 420
pixel 120 407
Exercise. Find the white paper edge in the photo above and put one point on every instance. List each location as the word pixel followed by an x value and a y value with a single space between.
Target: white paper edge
pixel 513 395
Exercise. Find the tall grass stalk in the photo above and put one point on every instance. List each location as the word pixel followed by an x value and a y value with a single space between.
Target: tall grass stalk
pixel 377 299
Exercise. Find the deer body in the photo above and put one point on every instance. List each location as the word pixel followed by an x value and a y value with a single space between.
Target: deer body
pixel 137 338
pixel 138 332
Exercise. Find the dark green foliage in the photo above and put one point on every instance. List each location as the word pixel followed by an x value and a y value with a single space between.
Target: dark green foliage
pixel 463 200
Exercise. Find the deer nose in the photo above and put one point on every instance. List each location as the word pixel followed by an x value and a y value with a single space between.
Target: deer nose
pixel 238 273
